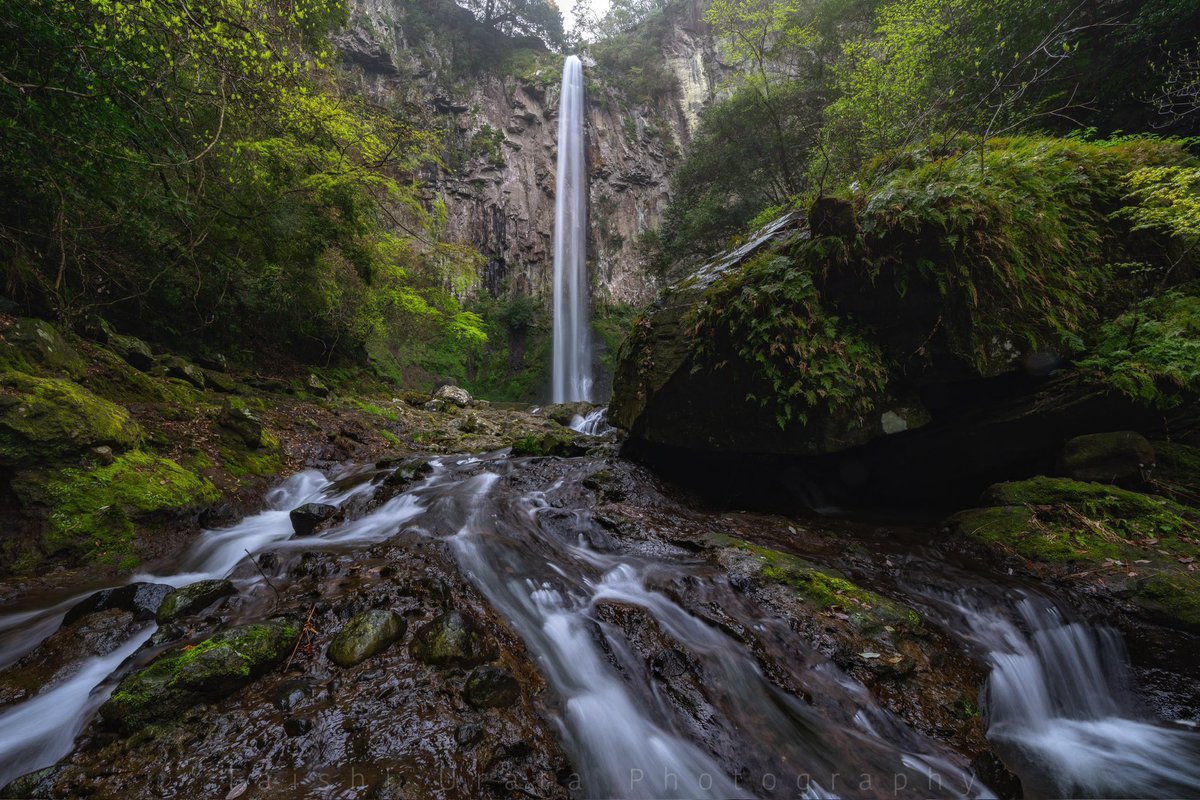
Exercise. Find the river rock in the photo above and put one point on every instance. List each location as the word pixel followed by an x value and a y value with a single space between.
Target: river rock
pixel 193 598
pixel 31 784
pixel 405 471
pixel 365 635
pixel 1123 458
pixel 564 413
pixel 453 394
pixel 308 517
pixel 201 673
pixel 491 687
pixel 143 599
pixel 550 443
pixel 451 640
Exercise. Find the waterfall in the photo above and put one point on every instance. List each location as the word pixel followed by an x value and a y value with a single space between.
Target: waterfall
pixel 572 372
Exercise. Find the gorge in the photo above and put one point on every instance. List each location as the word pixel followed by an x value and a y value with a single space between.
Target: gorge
pixel 717 398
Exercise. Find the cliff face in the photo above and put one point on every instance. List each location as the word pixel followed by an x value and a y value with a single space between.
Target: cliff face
pixel 500 125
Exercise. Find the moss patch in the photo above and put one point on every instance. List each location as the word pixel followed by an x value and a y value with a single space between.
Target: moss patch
pixel 48 419
pixel 92 511
pixel 199 673
pixel 826 590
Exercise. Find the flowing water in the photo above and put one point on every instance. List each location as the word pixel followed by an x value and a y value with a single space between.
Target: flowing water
pixel 571 378
pixel 595 423
pixel 1058 702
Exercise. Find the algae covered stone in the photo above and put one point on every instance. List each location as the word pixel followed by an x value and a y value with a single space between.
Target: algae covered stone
pixel 194 597
pixel 1124 458
pixel 49 419
pixel 491 687
pixel 365 635
pixel 451 640
pixel 199 673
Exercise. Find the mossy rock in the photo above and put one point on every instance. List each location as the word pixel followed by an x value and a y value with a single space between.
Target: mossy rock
pixel 491 687
pixel 200 673
pixel 184 370
pixel 92 512
pixel 1177 471
pixel 1171 596
pixel 1125 458
pixel 49 419
pixel 824 589
pixel 550 443
pixel 194 597
pixel 365 635
pixel 32 784
pixel 564 413
pixel 38 344
pixel 452 640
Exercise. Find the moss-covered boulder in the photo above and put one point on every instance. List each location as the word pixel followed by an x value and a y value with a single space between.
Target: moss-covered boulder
pixel 49 419
pixel 184 370
pixel 242 423
pixel 1142 548
pixel 92 512
pixel 195 597
pixel 452 640
pixel 199 673
pixel 365 635
pixel 1123 458
pixel 37 344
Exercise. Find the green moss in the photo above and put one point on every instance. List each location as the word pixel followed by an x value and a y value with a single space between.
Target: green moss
pixel 550 443
pixel 48 419
pixel 1174 595
pixel 199 673
pixel 825 589
pixel 1177 472
pixel 93 511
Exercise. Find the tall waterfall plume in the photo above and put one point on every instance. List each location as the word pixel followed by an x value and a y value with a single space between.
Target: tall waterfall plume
pixel 572 371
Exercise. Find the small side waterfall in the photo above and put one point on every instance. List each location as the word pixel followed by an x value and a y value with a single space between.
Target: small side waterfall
pixel 572 371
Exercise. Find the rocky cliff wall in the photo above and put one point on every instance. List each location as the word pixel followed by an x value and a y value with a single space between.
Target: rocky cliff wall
pixel 500 128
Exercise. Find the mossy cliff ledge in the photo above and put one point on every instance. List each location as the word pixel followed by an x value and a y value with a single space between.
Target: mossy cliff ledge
pixel 995 290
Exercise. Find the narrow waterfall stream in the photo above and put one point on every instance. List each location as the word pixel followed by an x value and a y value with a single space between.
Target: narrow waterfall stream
pixel 584 602
pixel 572 365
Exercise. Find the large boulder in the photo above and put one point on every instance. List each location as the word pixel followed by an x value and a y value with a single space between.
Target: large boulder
pixel 666 393
pixel 49 419
pixel 365 635
pixel 1124 458
pixel 143 599
pixel 199 673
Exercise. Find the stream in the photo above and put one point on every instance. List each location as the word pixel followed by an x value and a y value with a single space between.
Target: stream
pixel 1061 706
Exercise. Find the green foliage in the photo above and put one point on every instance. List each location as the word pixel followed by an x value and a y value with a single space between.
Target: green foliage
pixel 1016 247
pixel 1152 353
pixel 195 170
pixel 1167 200
pixel 633 61
pixel 804 360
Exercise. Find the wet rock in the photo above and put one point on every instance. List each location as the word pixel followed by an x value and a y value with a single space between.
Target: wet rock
pixel 451 640
pixel 365 635
pixel 438 406
pixel 1123 458
pixel 143 599
pixel 48 419
pixel 405 471
pixel 40 342
pixel 308 517
pixel 289 694
pixel 453 394
pixel 468 733
pixel 193 598
pixel 31 785
pixel 184 370
pixel 669 663
pixel 242 423
pixel 199 673
pixel 297 726
pixel 491 687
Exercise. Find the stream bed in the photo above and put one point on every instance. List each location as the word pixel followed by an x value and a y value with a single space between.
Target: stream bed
pixel 662 652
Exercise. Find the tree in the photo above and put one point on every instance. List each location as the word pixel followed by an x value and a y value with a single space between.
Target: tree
pixel 536 18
